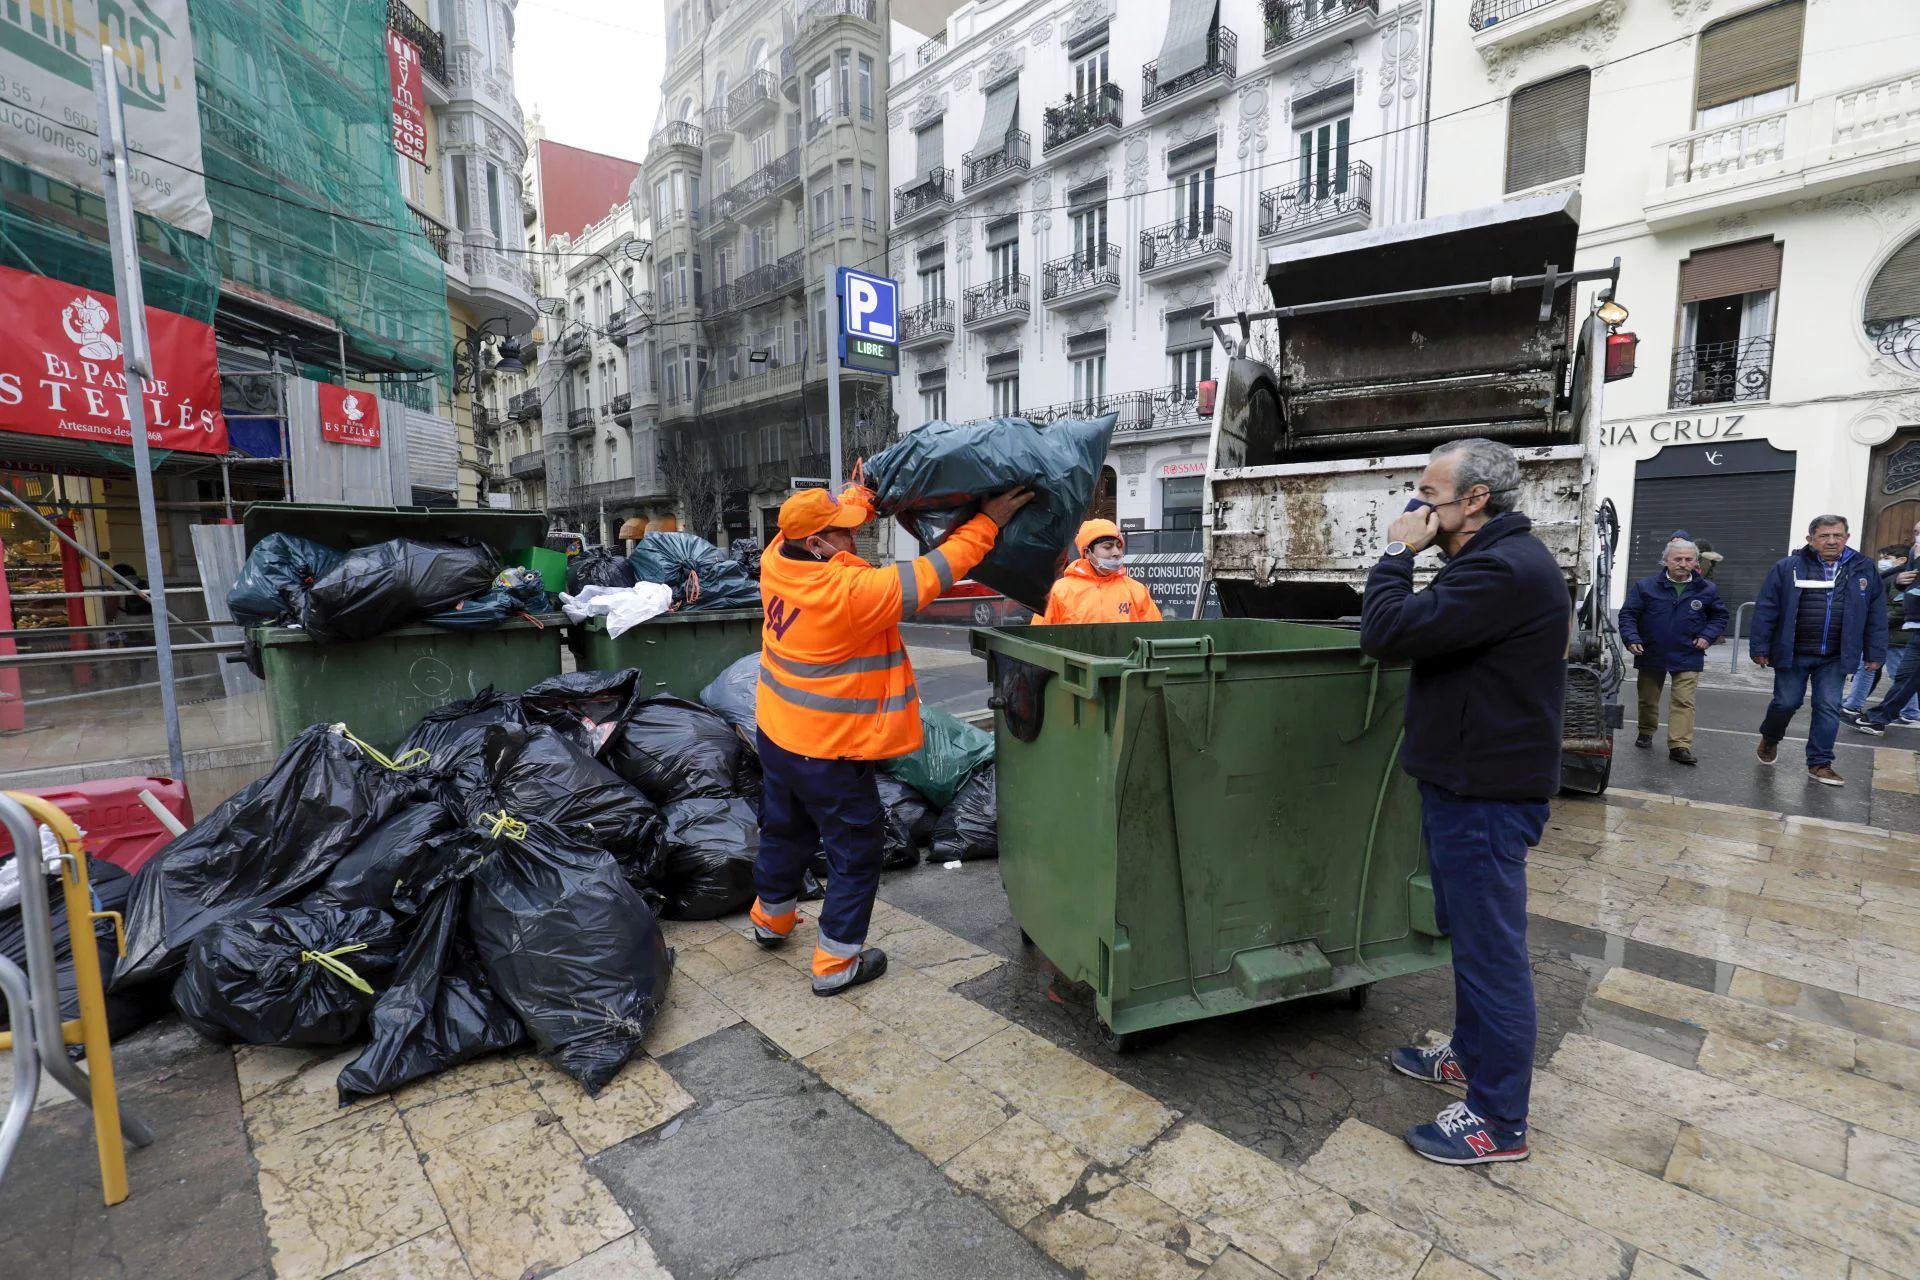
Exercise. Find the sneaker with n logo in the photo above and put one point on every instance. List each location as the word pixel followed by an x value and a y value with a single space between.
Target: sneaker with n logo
pixel 1458 1136
pixel 1429 1062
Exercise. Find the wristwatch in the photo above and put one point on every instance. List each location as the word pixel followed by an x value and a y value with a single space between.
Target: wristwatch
pixel 1398 548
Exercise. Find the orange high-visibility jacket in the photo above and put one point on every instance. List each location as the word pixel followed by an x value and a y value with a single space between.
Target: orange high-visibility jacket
pixel 1085 595
pixel 835 683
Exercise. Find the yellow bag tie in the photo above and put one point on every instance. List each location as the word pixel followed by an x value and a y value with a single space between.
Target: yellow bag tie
pixel 506 825
pixel 329 961
pixel 411 758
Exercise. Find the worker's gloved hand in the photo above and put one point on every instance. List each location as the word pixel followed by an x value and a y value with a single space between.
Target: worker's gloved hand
pixel 1004 506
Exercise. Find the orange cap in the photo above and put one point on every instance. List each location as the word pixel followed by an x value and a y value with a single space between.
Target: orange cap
pixel 812 510
pixel 1094 530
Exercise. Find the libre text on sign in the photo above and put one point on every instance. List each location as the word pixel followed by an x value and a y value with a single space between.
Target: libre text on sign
pixel 61 372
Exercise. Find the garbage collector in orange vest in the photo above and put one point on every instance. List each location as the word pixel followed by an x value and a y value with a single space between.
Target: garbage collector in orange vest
pixel 836 695
pixel 1096 588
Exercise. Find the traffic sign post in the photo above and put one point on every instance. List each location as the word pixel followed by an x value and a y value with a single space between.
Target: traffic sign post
pixel 869 340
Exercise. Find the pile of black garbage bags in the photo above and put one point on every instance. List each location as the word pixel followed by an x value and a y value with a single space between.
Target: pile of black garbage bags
pixel 677 560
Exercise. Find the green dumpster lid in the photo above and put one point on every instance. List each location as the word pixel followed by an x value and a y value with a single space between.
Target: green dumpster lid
pixel 277 637
pixel 347 527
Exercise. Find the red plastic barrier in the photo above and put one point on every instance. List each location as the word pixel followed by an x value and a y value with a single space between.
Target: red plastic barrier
pixel 119 828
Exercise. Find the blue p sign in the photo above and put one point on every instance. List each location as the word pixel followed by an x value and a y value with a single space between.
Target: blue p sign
pixel 869 306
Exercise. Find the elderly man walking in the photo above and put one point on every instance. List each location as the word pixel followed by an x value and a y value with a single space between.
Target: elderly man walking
pixel 1820 613
pixel 1488 642
pixel 1668 622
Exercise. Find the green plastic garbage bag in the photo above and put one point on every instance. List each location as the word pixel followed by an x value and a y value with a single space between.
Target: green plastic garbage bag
pixel 952 751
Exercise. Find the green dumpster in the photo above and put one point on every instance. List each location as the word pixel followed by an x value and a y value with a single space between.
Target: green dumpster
pixel 1202 817
pixel 381 686
pixel 677 653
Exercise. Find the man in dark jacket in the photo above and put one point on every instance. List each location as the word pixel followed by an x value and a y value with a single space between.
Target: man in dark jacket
pixel 1894 562
pixel 1820 613
pixel 1668 621
pixel 1488 642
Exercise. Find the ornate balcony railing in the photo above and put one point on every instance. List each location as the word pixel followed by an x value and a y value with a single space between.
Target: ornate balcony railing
pixel 930 50
pixel 622 406
pixel 1220 63
pixel 1722 372
pixel 527 464
pixel 574 345
pixel 757 90
pixel 1184 239
pixel 1485 13
pixel 1291 20
pixel 1317 199
pixel 434 230
pixel 928 320
pixel 432 45
pixel 1006 296
pixel 581 417
pixel 524 405
pixel 915 198
pixel 675 133
pixel 1080 272
pixel 760 282
pixel 822 11
pixel 1078 117
pixel 1014 153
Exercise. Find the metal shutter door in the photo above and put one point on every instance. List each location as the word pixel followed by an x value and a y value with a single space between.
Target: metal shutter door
pixel 1747 518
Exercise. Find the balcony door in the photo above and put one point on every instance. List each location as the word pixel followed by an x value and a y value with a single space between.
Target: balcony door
pixel 1323 160
pixel 1090 237
pixel 1193 202
pixel 1090 71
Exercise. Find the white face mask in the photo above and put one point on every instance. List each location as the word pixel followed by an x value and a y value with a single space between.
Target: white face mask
pixel 1108 564
pixel 1887 564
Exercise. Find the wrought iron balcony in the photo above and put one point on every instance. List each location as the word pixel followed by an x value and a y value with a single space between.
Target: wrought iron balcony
pixel 1291 21
pixel 1485 13
pixel 998 302
pixel 1219 67
pixel 930 50
pixel 1080 275
pixel 1185 246
pixel 763 184
pixel 432 45
pixel 1338 201
pixel 928 195
pixel 750 99
pixel 524 465
pixel 928 325
pixel 1161 409
pixel 574 346
pixel 1089 116
pixel 434 230
pixel 821 12
pixel 985 170
pixel 580 419
pixel 622 406
pixel 1722 372
pixel 524 405
pixel 762 282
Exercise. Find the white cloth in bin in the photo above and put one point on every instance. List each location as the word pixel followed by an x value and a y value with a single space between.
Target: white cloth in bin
pixel 624 608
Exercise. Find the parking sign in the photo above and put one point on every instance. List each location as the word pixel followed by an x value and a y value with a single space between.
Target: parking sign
pixel 869 322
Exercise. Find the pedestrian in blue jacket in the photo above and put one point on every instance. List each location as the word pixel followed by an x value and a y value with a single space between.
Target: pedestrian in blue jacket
pixel 1668 621
pixel 1820 613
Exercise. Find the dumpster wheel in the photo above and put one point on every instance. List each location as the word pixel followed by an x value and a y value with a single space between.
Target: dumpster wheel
pixel 1119 1041
pixel 1357 996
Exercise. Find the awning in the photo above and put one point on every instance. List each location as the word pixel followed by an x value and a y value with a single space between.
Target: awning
pixel 1185 48
pixel 1003 103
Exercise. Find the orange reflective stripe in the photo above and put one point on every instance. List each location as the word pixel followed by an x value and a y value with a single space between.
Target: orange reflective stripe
pixel 781 923
pixel 825 962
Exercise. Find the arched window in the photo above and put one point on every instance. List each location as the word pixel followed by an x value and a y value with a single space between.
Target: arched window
pixel 1892 313
pixel 687 114
pixel 761 55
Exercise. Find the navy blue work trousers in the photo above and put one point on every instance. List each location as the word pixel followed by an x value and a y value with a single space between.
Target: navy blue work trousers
pixel 1478 852
pixel 806 804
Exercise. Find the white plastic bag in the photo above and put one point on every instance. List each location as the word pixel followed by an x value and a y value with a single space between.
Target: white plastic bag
pixel 10 869
pixel 624 608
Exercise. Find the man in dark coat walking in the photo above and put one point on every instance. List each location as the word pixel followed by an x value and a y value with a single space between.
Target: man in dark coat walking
pixel 1488 642
pixel 1668 621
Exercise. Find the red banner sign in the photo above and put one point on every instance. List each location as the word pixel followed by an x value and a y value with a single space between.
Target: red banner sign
pixel 409 97
pixel 61 373
pixel 348 416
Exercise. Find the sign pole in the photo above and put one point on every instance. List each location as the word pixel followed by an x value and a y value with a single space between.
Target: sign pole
pixel 124 245
pixel 835 471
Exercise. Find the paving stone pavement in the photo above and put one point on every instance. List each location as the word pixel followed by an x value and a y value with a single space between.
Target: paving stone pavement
pixel 1729 1049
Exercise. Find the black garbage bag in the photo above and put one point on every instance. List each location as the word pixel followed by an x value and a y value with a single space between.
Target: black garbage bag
pixel 910 821
pixel 746 553
pixel 272 586
pixel 400 864
pixel 516 593
pixel 266 846
pixel 441 731
pixel 532 771
pixel 598 567
pixel 710 846
pixel 293 976
pixel 934 478
pixel 390 584
pixel 950 750
pixel 673 749
pixel 968 828
pixel 732 694
pixel 570 946
pixel 438 1012
pixel 127 1011
pixel 669 557
pixel 587 706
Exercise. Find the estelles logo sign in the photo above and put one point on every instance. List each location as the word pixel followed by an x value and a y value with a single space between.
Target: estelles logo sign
pixel 61 372
pixel 348 416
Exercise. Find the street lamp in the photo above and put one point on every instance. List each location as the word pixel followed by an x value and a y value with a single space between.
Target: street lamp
pixel 508 359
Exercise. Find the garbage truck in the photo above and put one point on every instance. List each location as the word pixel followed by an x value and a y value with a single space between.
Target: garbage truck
pixel 1383 344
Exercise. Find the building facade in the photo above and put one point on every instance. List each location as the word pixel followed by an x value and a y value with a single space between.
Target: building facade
pixel 466 200
pixel 768 167
pixel 1073 192
pixel 1755 166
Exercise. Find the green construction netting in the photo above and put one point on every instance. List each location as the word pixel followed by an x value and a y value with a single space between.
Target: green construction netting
pixel 304 185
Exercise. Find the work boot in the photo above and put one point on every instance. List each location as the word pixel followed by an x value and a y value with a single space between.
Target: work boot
pixel 1644 741
pixel 867 966
pixel 1435 1063
pixel 1825 776
pixel 1769 751
pixel 1680 755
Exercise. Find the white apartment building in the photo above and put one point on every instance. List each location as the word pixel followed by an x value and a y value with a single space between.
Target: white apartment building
pixel 1755 166
pixel 1077 183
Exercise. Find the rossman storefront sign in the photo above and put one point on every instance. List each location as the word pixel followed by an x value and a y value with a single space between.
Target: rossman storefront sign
pixel 61 373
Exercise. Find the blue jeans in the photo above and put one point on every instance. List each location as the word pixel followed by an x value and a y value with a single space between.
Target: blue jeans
pixel 1905 689
pixel 1863 684
pixel 1478 852
pixel 806 803
pixel 1826 675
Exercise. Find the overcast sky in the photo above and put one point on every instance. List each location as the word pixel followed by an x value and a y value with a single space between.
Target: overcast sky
pixel 592 68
